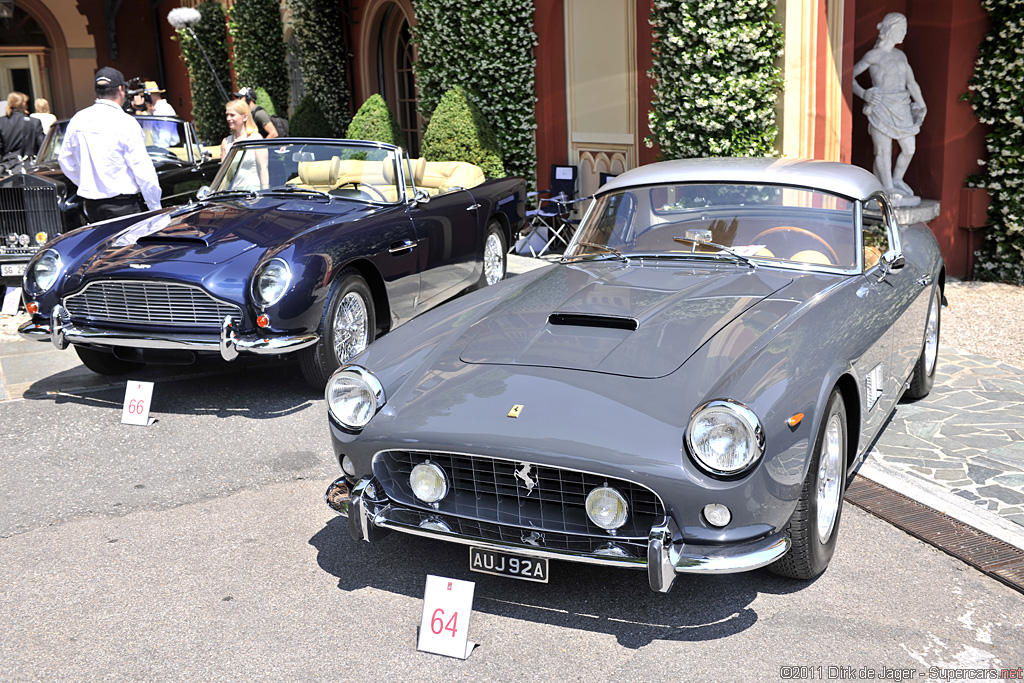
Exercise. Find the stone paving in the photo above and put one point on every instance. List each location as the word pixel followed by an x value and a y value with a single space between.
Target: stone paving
pixel 966 436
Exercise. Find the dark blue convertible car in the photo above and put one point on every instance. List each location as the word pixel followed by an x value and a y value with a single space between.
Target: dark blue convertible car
pixel 305 246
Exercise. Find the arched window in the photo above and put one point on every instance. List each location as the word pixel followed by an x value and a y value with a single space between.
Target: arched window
pixel 389 54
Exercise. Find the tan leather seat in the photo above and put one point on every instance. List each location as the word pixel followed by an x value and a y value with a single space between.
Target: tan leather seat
pixel 442 176
pixel 811 256
pixel 320 175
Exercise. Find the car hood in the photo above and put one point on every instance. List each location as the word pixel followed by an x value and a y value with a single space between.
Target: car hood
pixel 638 321
pixel 216 232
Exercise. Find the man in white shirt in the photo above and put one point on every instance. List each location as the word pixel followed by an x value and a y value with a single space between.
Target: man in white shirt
pixel 104 154
pixel 161 107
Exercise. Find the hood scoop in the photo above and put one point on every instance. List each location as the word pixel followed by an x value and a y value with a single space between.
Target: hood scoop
pixel 165 238
pixel 608 322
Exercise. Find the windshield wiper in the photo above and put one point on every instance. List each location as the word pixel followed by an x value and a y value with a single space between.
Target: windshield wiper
pixel 224 194
pixel 736 255
pixel 292 189
pixel 609 251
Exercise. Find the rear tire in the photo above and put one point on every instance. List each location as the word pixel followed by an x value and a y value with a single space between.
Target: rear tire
pixel 103 363
pixel 814 526
pixel 495 257
pixel 924 370
pixel 348 327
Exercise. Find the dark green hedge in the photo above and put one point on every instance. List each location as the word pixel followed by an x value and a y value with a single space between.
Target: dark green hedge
pixel 374 121
pixel 207 100
pixel 260 52
pixel 308 120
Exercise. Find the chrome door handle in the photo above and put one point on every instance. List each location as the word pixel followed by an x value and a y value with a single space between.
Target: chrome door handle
pixel 473 207
pixel 403 246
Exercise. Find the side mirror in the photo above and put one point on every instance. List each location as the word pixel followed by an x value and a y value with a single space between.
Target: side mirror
pixel 203 192
pixel 894 260
pixel 421 196
pixel 206 155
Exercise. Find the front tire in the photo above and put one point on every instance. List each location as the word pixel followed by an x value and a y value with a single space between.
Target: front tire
pixel 924 370
pixel 495 257
pixel 814 526
pixel 103 363
pixel 348 327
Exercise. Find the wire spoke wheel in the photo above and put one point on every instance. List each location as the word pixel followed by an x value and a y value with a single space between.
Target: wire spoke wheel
pixel 350 327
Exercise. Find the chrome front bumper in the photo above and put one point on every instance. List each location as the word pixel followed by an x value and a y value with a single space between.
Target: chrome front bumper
pixel 370 519
pixel 61 333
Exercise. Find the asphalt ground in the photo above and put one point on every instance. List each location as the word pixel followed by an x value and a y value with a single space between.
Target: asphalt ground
pixel 199 549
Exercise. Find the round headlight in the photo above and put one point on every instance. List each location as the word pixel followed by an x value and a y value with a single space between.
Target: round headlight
pixel 353 396
pixel 428 481
pixel 272 282
pixel 45 270
pixel 607 508
pixel 725 437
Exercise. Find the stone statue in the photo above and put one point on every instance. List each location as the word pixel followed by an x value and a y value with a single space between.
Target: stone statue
pixel 893 105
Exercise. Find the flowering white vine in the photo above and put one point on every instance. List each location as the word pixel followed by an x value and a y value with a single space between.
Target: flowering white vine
pixel 496 37
pixel 998 100
pixel 716 82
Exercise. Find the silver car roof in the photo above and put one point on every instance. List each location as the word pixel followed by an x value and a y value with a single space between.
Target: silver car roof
pixel 830 176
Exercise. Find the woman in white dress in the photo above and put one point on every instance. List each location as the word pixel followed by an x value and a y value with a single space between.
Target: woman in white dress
pixel 251 173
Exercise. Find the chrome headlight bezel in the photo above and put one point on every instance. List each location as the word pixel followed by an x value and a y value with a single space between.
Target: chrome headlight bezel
pixel 725 418
pixel 31 280
pixel 269 292
pixel 354 395
pixel 619 516
pixel 438 482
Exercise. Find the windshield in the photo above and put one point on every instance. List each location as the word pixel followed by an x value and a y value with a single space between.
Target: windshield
pixel 340 169
pixel 763 222
pixel 165 139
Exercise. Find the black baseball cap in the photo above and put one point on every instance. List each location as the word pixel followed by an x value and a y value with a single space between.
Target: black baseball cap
pixel 109 77
pixel 247 93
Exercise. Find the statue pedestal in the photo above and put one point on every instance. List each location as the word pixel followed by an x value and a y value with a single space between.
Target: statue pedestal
pixel 927 210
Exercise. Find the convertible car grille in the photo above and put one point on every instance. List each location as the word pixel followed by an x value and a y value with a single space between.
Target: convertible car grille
pixel 27 211
pixel 492 501
pixel 149 303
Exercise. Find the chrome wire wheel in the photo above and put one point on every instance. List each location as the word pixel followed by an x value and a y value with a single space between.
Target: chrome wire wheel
pixel 931 336
pixel 350 327
pixel 494 259
pixel 828 491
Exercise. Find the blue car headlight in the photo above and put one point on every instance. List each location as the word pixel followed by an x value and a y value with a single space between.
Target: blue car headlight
pixel 271 282
pixel 725 437
pixel 43 272
pixel 354 395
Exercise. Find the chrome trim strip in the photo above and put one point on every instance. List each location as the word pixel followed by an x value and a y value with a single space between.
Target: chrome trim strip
pixel 196 342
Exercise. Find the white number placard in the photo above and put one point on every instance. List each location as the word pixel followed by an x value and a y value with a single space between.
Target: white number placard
pixel 137 399
pixel 444 626
pixel 12 297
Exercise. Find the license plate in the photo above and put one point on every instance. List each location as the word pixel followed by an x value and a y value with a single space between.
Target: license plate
pixel 508 564
pixel 12 269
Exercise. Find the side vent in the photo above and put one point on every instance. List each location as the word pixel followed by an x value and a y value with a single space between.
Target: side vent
pixel 588 320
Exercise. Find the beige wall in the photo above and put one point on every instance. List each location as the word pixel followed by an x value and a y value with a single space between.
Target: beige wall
pixel 601 87
pixel 81 49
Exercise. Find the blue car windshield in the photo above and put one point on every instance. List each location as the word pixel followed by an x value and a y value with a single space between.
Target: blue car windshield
pixel 761 222
pixel 340 169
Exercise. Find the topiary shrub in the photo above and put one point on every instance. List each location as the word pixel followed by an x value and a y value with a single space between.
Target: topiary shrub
pixel 260 54
pixel 374 121
pixel 308 121
pixel 265 101
pixel 458 131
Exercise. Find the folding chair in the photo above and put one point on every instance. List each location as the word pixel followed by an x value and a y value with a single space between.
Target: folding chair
pixel 550 222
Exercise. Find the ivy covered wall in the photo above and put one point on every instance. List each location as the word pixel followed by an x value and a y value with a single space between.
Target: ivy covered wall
pixel 496 38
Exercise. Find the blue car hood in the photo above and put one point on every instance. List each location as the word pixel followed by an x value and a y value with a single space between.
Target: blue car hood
pixel 638 321
pixel 216 232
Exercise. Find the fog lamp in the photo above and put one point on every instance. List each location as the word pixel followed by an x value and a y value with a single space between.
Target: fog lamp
pixel 717 514
pixel 428 481
pixel 32 307
pixel 41 238
pixel 348 466
pixel 607 508
pixel 435 524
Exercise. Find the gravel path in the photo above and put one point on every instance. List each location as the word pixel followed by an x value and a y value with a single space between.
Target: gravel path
pixel 983 318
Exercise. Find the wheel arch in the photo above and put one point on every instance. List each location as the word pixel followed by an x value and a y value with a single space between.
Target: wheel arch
pixel 375 281
pixel 846 385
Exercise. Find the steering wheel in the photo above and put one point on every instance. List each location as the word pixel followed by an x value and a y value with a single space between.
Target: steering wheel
pixel 364 188
pixel 801 231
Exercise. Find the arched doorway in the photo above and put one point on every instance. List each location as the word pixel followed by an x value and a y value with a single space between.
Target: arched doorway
pixel 34 56
pixel 387 56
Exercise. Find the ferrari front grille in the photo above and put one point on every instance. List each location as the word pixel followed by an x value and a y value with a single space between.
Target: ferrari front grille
pixel 519 494
pixel 148 303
